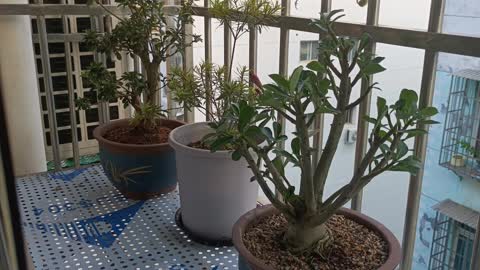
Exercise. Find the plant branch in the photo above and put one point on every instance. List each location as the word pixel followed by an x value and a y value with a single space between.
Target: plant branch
pixel 108 10
pixel 284 208
pixel 362 97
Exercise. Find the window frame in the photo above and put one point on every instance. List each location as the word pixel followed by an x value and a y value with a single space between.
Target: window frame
pixel 311 54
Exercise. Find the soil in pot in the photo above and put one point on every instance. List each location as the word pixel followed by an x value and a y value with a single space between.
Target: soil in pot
pixel 199 145
pixel 132 135
pixel 355 246
pixel 202 145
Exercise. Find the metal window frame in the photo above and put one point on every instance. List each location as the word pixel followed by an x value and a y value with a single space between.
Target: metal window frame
pixel 309 46
pixel 86 145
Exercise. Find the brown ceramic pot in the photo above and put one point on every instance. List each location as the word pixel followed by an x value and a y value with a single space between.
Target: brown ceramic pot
pixel 246 261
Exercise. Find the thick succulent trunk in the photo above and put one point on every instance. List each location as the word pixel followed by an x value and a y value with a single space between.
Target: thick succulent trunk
pixel 303 238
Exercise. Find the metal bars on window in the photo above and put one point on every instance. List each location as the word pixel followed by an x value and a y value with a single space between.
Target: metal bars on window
pixel 98 25
pixel 71 93
pixel 319 122
pixel 420 146
pixel 47 79
pixel 476 249
pixel 283 56
pixel 364 107
pixel 207 39
pixel 187 62
pixel 452 245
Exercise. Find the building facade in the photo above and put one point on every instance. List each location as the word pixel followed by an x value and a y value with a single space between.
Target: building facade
pixel 450 203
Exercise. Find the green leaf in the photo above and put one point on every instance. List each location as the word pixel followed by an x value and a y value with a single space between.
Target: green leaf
pixel 406 106
pixel 414 132
pixel 378 59
pixel 316 66
pixel 220 143
pixel 83 103
pixel 428 122
pixel 381 107
pixel 277 162
pixel 267 132
pixel 370 119
pixel 270 100
pixel 373 68
pixel 236 155
pixel 333 13
pixel 323 86
pixel 295 144
pixel 276 90
pixel 255 135
pixel 235 109
pixel 364 41
pixel 277 129
pixel 409 96
pixel 246 114
pixel 409 164
pixel 402 149
pixel 288 157
pixel 294 79
pixel 280 81
pixel 382 133
pixel 385 149
pixel 428 112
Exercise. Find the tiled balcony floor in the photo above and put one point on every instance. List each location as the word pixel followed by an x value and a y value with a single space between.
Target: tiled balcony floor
pixel 78 220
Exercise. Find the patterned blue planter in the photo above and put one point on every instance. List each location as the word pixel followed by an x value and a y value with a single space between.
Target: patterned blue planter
pixel 138 171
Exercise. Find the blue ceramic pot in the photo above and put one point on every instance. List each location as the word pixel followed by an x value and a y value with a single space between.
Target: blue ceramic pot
pixel 137 171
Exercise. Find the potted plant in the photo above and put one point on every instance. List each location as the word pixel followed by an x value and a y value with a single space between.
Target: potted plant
pixel 134 152
pixel 214 190
pixel 459 160
pixel 303 228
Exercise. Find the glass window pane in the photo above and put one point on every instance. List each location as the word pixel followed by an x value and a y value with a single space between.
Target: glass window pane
pixel 409 14
pixel 353 12
pixel 404 70
pixel 462 17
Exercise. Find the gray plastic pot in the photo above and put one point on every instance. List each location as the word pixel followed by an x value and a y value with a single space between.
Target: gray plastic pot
pixel 215 191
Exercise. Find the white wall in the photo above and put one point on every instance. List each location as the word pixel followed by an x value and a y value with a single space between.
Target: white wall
pixel 20 93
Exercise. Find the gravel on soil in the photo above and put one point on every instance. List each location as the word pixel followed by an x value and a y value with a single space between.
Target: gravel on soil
pixel 355 247
pixel 131 135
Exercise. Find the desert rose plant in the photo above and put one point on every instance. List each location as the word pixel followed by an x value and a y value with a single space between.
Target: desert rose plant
pixel 210 88
pixel 147 35
pixel 323 87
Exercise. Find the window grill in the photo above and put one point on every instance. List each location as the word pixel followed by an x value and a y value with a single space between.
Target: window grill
pixel 453 237
pixel 81 58
pixel 460 150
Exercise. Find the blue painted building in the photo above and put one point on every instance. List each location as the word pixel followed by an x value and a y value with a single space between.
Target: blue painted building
pixel 450 200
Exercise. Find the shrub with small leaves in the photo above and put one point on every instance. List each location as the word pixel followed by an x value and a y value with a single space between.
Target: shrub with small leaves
pixel 148 35
pixel 213 89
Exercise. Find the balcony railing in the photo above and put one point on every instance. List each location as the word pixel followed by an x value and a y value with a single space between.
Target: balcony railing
pixel 431 41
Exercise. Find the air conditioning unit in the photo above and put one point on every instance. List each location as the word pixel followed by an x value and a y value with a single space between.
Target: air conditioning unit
pixel 351 136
